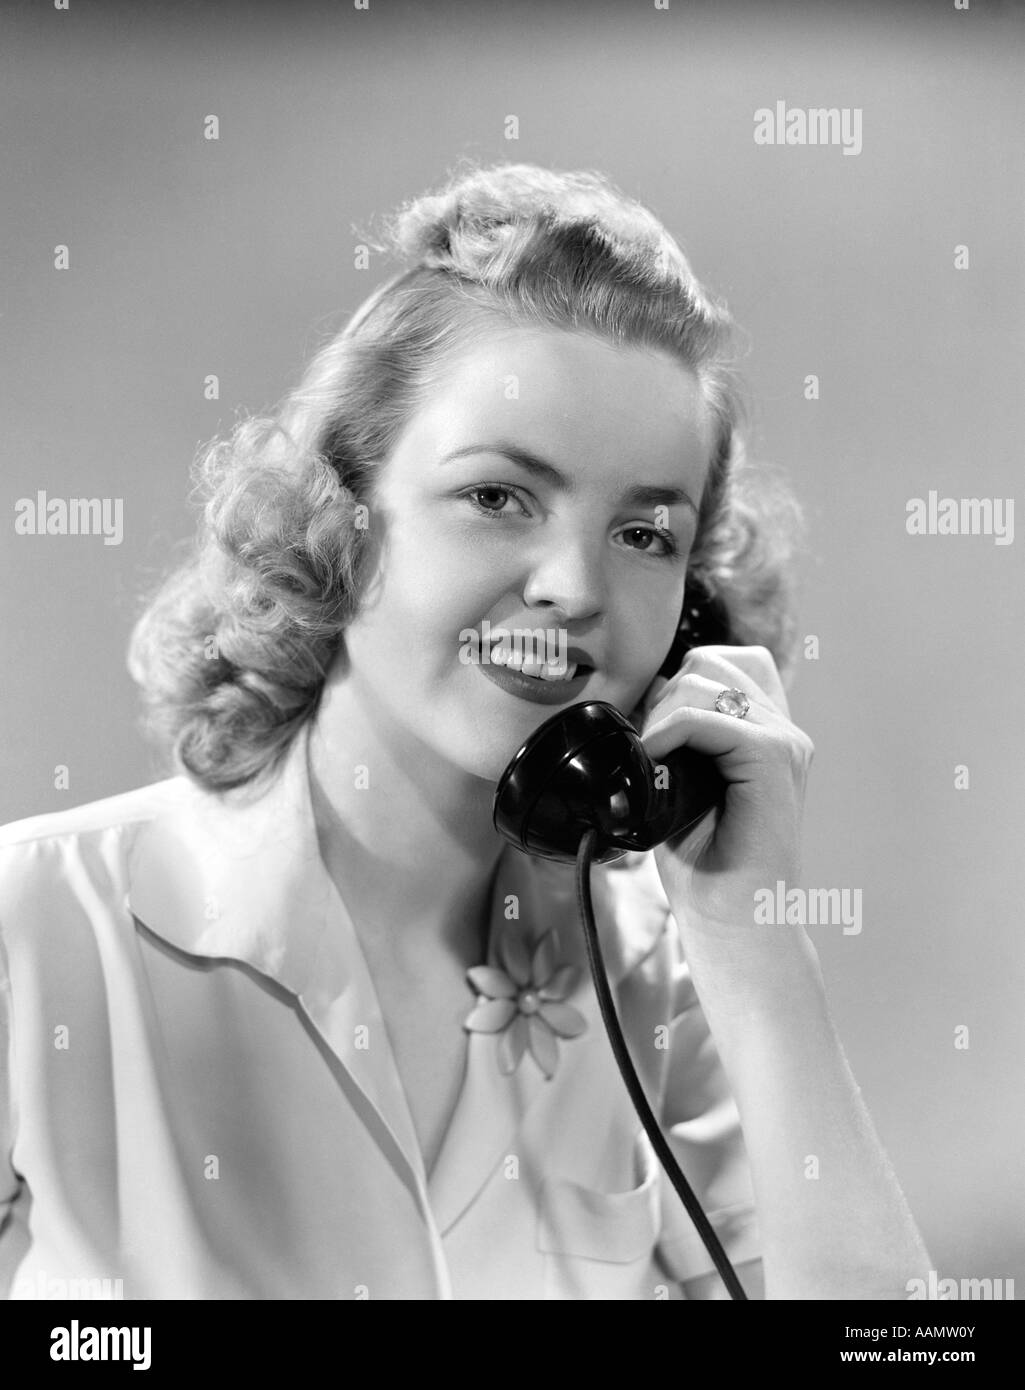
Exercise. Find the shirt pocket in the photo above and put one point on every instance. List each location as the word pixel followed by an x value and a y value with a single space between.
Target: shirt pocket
pixel 601 1244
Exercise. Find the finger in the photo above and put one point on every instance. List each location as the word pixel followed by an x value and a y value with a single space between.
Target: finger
pixel 706 731
pixel 757 663
pixel 701 692
pixel 750 669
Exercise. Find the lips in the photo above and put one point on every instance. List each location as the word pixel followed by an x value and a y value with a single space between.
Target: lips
pixel 551 672
pixel 576 656
pixel 533 689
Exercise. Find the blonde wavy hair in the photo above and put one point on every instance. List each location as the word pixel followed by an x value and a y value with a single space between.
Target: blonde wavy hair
pixel 232 651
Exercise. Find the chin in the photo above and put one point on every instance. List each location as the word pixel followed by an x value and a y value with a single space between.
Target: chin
pixel 488 764
pixel 478 751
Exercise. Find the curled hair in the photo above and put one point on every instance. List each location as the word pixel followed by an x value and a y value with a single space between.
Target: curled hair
pixel 233 650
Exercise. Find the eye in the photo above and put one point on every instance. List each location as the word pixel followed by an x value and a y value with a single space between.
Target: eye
pixel 490 491
pixel 648 533
pixel 489 499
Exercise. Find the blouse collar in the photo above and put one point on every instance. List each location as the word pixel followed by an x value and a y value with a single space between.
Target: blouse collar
pixel 239 875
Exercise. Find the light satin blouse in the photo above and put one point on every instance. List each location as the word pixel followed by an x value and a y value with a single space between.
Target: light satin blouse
pixel 198 1098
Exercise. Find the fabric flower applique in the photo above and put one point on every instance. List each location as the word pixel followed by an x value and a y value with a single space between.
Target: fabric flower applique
pixel 524 1002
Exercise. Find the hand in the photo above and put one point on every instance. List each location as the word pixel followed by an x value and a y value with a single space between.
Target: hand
pixel 714 870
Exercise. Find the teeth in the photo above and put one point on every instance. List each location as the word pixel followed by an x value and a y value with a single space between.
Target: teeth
pixel 557 672
pixel 531 666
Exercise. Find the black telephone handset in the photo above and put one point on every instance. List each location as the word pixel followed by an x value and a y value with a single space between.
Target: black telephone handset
pixel 586 768
pixel 583 790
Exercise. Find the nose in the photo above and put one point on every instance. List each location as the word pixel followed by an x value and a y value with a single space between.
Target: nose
pixel 567 572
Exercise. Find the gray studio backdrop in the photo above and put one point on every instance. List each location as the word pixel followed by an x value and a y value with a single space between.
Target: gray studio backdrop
pixel 892 274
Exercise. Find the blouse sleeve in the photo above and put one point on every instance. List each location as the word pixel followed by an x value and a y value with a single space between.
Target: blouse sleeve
pixel 700 1121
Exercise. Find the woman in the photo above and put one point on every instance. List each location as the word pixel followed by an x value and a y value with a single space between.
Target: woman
pixel 296 1022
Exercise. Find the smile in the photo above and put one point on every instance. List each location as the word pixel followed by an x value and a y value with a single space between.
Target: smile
pixel 538 688
pixel 532 666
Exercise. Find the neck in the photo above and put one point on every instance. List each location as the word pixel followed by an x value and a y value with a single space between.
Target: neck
pixel 406 836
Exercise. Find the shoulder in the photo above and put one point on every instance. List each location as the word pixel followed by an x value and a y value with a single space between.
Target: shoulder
pixel 74 854
pixel 111 812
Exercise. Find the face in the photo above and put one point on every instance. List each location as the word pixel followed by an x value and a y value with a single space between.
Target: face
pixel 455 544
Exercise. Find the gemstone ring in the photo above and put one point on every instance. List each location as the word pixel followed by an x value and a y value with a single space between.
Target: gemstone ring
pixel 732 702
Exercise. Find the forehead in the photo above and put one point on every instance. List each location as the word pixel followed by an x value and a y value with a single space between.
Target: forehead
pixel 572 398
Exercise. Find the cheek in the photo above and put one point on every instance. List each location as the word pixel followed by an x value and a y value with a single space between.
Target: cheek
pixel 645 634
pixel 429 556
pixel 423 599
pixel 641 649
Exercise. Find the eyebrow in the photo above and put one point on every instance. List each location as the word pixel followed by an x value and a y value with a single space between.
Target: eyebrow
pixel 640 494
